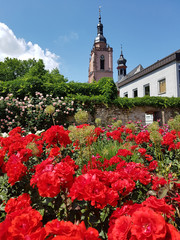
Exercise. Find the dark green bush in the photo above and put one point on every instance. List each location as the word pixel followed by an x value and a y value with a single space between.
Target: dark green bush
pixel 28 85
pixel 162 102
pixel 107 88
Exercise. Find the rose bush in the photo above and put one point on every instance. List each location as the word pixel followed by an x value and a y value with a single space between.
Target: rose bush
pixel 62 184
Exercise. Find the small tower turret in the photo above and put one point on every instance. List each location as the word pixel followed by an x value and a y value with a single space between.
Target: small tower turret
pixel 121 66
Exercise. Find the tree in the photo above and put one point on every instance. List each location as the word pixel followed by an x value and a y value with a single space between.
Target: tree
pixel 54 77
pixel 37 70
pixel 12 68
pixel 107 88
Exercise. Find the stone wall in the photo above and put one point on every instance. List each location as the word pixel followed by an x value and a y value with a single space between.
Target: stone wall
pixel 134 114
pixel 106 114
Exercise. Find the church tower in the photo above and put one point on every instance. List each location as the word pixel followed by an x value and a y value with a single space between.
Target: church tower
pixel 121 66
pixel 101 60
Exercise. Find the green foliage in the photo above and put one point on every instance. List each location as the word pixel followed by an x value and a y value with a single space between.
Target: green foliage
pixel 81 117
pixel 30 113
pixel 131 126
pixel 83 89
pixel 24 78
pixel 117 124
pixel 50 109
pixel 5 194
pixel 106 149
pixel 12 69
pixel 107 88
pixel 98 121
pixel 38 70
pixel 175 123
pixel 81 136
pixel 162 102
pixel 155 135
pixel 54 77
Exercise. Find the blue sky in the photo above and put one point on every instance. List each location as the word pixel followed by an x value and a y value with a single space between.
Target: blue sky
pixel 62 32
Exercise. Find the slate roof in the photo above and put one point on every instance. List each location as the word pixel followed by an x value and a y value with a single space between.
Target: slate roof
pixel 134 74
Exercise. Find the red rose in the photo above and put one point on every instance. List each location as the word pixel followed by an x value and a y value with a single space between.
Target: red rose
pixel 56 135
pixel 15 169
pixel 15 204
pixel 159 205
pixel 48 184
pixel 142 151
pixel 120 229
pixel 25 225
pixel 142 137
pixel 124 152
pixel 148 225
pixel 153 165
pixel 124 186
pixel 172 233
pixel 68 230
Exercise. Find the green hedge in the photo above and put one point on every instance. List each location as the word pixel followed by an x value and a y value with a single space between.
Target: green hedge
pixel 162 102
pixel 30 85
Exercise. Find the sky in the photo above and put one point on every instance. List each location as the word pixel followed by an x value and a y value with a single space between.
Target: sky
pixel 62 32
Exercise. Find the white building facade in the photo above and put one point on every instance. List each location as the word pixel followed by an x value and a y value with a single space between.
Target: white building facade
pixel 160 79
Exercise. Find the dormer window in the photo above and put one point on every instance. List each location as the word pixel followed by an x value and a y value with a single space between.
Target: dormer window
pixel 102 62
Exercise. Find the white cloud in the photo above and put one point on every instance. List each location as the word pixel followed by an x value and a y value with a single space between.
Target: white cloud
pixel 68 37
pixel 13 47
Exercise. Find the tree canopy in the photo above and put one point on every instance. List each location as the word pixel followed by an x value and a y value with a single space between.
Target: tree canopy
pixel 26 77
pixel 13 68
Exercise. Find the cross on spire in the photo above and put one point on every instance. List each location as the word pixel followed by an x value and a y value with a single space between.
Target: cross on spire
pixel 99 14
pixel 121 50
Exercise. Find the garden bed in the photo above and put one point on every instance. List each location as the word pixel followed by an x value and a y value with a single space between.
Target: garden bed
pixel 91 182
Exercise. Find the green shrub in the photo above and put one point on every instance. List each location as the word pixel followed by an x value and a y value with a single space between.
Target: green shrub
pixel 107 88
pixel 81 117
pixel 162 102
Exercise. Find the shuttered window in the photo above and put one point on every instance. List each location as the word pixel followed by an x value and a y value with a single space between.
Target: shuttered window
pixel 162 86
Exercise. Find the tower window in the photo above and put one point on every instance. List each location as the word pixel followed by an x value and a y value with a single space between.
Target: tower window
pixel 102 62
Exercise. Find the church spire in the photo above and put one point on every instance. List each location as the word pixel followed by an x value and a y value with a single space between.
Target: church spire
pixel 101 60
pixel 100 37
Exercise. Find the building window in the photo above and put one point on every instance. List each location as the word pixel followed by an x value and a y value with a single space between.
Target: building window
pixel 126 94
pixel 162 86
pixel 135 92
pixel 146 90
pixel 102 62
